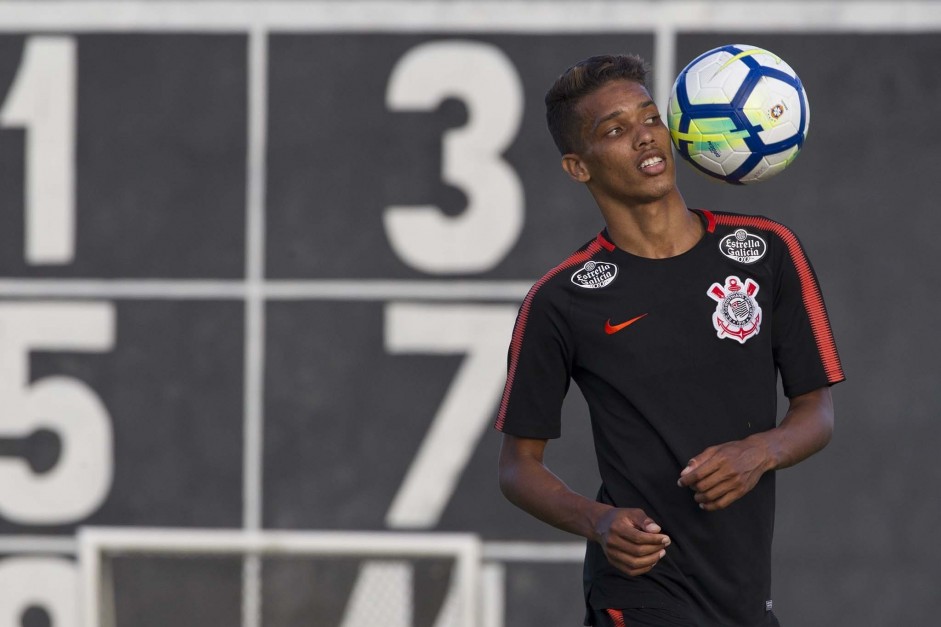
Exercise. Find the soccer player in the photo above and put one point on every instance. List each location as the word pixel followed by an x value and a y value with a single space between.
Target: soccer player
pixel 675 324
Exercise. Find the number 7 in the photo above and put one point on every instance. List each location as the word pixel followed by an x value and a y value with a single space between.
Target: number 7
pixel 483 333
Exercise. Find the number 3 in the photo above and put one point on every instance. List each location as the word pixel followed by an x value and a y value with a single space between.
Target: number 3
pixel 483 78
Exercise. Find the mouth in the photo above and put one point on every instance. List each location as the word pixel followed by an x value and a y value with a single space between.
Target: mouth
pixel 653 164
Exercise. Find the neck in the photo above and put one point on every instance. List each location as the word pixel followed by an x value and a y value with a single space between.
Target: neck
pixel 661 229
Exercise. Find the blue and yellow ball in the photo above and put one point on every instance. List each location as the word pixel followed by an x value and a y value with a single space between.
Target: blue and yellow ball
pixel 739 114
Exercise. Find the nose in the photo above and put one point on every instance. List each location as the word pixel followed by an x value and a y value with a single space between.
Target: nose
pixel 644 137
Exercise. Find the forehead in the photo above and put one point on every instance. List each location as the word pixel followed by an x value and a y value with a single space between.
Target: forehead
pixel 620 94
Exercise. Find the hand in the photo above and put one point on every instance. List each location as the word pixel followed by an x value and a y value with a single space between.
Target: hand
pixel 722 474
pixel 631 540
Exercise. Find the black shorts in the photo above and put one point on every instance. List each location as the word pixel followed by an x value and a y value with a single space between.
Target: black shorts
pixel 649 617
pixel 640 617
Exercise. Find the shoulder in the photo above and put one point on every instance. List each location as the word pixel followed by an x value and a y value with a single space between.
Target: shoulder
pixel 727 221
pixel 730 223
pixel 569 272
pixel 737 230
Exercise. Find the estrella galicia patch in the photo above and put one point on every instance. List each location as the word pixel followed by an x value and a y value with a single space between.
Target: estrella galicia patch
pixel 743 246
pixel 595 274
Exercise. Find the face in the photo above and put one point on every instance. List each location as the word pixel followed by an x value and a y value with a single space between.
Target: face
pixel 625 153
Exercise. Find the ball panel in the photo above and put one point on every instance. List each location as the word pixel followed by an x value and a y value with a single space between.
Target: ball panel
pixel 770 165
pixel 778 134
pixel 710 81
pixel 766 59
pixel 725 165
pixel 717 136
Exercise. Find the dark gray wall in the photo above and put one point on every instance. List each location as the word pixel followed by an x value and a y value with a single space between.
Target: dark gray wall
pixel 867 220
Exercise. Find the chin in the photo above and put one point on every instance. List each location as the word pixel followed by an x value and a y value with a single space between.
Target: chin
pixel 657 189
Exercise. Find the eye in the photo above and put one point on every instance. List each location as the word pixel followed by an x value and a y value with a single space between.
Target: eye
pixel 614 131
pixel 654 119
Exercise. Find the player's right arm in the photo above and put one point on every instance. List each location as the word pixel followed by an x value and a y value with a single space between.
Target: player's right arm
pixel 631 540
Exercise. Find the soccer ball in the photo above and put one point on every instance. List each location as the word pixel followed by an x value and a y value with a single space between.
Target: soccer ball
pixel 738 113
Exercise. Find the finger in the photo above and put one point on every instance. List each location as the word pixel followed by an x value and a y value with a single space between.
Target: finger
pixel 640 520
pixel 724 501
pixel 636 572
pixel 637 554
pixel 718 494
pixel 650 526
pixel 696 462
pixel 638 543
pixel 651 533
pixel 697 470
pixel 642 529
pixel 717 476
pixel 636 565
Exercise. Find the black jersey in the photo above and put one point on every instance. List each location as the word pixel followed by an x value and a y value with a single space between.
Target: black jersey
pixel 673 356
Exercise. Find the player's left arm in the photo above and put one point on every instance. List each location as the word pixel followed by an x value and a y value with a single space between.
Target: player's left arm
pixel 722 474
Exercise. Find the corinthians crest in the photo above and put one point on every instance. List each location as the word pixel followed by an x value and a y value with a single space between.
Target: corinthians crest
pixel 738 315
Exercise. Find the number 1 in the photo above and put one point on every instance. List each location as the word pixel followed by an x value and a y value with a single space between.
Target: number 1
pixel 42 100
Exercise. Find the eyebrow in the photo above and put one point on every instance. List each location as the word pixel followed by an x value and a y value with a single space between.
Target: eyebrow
pixel 615 114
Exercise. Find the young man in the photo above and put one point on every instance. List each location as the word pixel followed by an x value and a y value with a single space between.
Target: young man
pixel 674 323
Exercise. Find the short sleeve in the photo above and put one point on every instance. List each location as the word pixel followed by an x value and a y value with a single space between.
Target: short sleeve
pixel 804 349
pixel 539 365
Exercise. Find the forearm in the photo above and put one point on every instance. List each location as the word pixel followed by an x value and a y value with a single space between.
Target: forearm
pixel 722 474
pixel 805 429
pixel 532 487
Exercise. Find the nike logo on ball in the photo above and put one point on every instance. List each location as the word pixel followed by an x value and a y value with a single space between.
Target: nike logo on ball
pixel 611 329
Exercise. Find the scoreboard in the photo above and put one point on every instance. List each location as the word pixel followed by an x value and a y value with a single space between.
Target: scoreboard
pixel 264 281
pixel 260 264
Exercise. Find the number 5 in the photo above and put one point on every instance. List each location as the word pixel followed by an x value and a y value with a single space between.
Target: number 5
pixel 79 482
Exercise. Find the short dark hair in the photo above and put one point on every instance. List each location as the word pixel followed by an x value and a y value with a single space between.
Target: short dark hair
pixel 578 81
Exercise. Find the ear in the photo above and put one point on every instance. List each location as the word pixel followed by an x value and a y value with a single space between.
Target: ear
pixel 575 168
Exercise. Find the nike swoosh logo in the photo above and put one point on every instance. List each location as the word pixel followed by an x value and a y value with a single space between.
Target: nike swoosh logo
pixel 611 329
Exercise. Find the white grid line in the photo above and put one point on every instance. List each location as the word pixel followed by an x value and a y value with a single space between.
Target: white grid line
pixel 269 289
pixel 664 57
pixel 255 271
pixel 253 442
pixel 41 545
pixel 514 16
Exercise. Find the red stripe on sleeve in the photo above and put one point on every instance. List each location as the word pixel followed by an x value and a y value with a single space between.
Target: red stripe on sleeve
pixel 516 343
pixel 810 291
pixel 617 617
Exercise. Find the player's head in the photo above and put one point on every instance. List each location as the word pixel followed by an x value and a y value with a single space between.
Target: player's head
pixel 562 100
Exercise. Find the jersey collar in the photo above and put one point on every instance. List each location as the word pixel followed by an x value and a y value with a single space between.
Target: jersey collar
pixel 707 217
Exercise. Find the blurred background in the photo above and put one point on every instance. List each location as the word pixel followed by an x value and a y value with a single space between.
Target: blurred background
pixel 259 263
